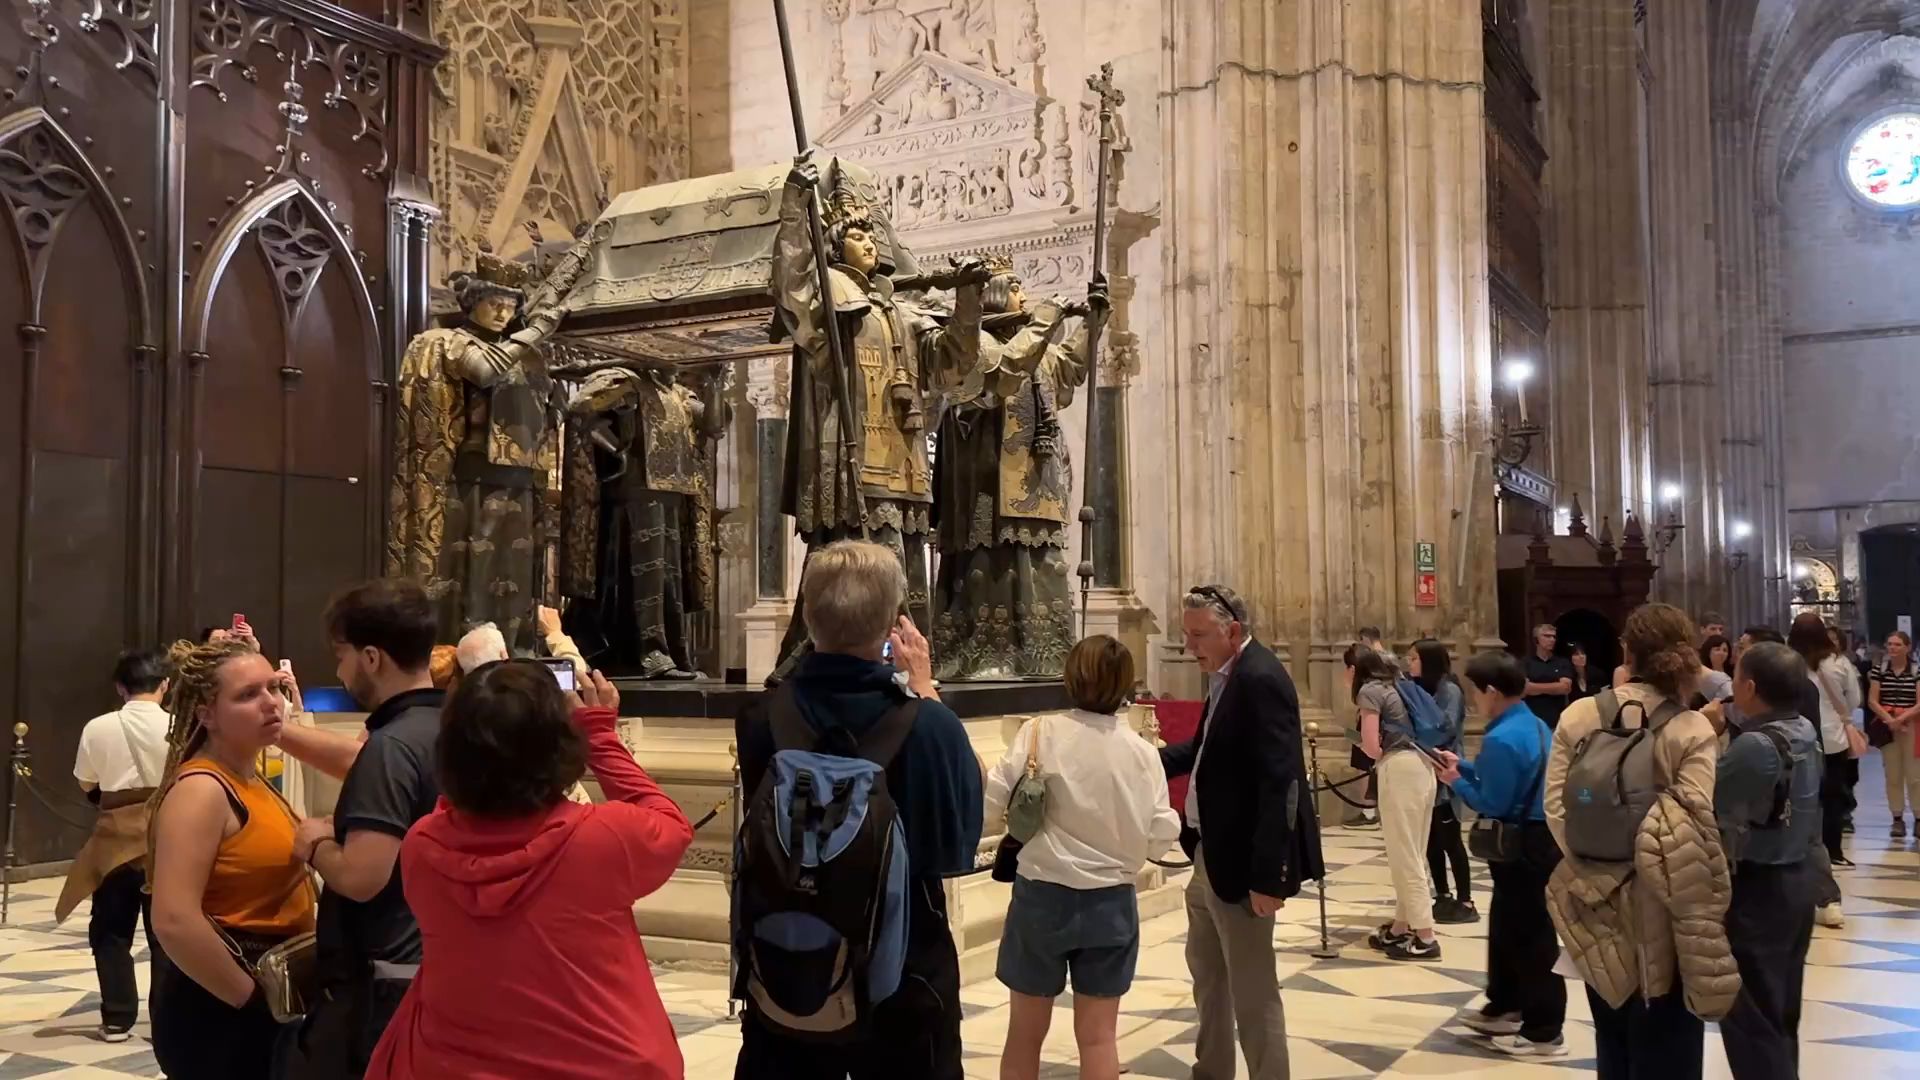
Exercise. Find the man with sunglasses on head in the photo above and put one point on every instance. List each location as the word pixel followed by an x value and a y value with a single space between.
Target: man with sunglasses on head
pixel 367 942
pixel 1249 829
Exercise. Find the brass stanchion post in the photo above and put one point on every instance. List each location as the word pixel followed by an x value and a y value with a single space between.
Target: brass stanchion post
pixel 733 841
pixel 17 770
pixel 1315 779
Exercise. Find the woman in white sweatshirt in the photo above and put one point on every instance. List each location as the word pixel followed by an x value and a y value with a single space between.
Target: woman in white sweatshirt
pixel 1073 908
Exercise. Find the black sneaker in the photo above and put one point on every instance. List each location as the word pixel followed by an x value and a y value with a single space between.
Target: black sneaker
pixel 1384 939
pixel 1450 912
pixel 110 1034
pixel 1842 863
pixel 1899 830
pixel 1412 948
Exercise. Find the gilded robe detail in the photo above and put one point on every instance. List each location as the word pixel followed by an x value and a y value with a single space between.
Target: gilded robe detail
pixel 474 447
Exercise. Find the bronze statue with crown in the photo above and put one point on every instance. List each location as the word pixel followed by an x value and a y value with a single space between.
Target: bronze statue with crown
pixel 1002 605
pixel 475 443
pixel 871 479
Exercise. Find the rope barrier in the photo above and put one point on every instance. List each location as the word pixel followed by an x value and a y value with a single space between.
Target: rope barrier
pixel 711 814
pixel 84 826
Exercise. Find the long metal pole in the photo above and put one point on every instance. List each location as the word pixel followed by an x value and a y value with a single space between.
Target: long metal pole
pixel 843 403
pixel 1110 97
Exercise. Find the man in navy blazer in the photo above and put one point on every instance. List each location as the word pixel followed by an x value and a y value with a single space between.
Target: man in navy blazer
pixel 1250 830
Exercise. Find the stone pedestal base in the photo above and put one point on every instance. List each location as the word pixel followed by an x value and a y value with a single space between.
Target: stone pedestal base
pixel 765 624
pixel 1119 614
pixel 686 921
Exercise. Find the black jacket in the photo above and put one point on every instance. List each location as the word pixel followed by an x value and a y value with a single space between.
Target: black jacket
pixel 1255 797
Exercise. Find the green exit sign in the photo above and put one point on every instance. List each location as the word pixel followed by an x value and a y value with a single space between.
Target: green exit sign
pixel 1423 555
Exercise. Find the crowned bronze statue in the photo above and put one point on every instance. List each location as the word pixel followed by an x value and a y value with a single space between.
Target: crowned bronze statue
pixel 474 445
pixel 1003 607
pixel 856 462
pixel 637 509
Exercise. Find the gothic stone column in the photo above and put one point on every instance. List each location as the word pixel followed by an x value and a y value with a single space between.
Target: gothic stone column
pixel 1597 266
pixel 765 623
pixel 1328 318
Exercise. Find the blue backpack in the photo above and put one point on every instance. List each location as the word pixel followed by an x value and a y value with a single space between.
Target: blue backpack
pixel 1429 725
pixel 820 878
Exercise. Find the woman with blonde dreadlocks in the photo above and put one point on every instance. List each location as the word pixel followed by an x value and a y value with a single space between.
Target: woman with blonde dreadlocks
pixel 222 866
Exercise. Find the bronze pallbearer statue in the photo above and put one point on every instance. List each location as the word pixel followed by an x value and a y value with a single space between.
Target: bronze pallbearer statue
pixel 636 543
pixel 474 445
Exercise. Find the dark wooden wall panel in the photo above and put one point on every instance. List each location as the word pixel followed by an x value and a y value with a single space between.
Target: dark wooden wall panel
pixel 76 602
pixel 241 384
pixel 330 402
pixel 86 381
pixel 326 520
pixel 238 540
pixel 185 469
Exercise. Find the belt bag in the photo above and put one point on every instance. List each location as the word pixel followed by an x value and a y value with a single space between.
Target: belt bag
pixel 288 973
pixel 1499 841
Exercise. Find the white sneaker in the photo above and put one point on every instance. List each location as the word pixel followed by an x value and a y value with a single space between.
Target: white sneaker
pixel 1504 1024
pixel 114 1035
pixel 1520 1046
pixel 1829 916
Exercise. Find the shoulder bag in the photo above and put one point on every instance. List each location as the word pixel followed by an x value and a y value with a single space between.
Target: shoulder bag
pixel 1878 733
pixel 1026 810
pixel 1500 841
pixel 1856 739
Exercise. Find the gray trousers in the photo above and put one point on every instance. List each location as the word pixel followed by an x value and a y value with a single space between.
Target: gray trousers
pixel 1235 983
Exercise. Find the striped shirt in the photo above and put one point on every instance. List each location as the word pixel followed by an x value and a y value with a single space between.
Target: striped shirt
pixel 1898 689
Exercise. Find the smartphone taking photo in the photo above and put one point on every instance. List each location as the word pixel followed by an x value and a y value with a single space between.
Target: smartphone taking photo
pixel 563 672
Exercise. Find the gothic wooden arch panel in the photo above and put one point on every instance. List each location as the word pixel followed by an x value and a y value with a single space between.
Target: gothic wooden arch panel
pixel 41 190
pixel 296 259
pixel 77 396
pixel 283 430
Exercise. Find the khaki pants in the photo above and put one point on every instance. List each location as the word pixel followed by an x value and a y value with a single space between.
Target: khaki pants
pixel 1235 982
pixel 1407 786
pixel 1903 775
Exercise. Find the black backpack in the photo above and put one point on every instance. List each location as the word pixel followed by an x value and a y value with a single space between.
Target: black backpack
pixel 820 878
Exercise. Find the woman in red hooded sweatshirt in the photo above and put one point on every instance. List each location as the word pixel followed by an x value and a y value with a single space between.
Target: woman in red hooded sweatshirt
pixel 532 966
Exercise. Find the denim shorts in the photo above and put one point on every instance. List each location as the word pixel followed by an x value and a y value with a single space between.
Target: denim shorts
pixel 1051 930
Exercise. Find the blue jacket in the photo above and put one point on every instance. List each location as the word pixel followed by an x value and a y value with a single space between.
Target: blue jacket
pixel 1512 763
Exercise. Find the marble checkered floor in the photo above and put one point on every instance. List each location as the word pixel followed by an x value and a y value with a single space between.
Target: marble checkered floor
pixel 1354 1016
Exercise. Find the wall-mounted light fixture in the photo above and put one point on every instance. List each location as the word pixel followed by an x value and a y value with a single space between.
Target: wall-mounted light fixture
pixel 1670 529
pixel 1737 558
pixel 1513 444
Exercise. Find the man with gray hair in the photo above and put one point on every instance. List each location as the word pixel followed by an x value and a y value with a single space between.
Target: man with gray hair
pixel 1549 676
pixel 1249 829
pixel 1767 798
pixel 850 698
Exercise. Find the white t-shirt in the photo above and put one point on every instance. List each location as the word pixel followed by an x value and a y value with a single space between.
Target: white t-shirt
pixel 124 750
pixel 1107 805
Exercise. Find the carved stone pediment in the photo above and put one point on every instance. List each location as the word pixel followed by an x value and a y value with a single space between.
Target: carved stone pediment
pixel 953 145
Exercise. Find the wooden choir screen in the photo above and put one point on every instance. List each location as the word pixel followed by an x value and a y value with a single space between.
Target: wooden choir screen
pixel 196 274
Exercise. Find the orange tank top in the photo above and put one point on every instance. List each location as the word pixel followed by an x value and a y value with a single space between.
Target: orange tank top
pixel 256 886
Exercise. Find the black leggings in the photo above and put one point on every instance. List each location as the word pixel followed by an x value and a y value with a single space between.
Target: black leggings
pixel 1444 843
pixel 1836 799
pixel 196 1036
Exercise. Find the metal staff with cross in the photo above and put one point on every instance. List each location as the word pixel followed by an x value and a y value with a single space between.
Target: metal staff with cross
pixel 1110 99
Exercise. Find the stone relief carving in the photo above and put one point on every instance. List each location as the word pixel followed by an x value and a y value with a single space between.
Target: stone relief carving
pixel 519 137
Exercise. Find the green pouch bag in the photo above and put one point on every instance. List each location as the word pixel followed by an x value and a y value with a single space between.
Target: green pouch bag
pixel 1027 805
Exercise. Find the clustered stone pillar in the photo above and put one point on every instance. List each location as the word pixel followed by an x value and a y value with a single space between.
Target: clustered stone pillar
pixel 1689 410
pixel 765 622
pixel 1597 266
pixel 1328 317
pixel 1752 357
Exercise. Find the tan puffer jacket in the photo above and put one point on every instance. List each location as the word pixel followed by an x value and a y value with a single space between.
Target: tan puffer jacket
pixel 1630 929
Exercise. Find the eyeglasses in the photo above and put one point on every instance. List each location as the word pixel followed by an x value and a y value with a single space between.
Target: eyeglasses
pixel 1213 595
